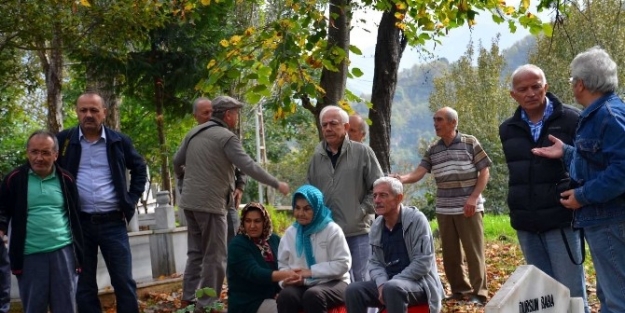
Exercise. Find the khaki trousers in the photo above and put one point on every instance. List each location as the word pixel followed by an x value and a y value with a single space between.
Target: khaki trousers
pixel 463 234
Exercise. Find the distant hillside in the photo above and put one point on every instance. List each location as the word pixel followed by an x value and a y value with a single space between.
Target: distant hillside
pixel 411 117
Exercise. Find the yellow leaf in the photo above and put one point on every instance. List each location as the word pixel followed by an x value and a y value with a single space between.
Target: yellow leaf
pixel 85 3
pixel 525 4
pixel 188 6
pixel 206 2
pixel 224 43
pixel 508 10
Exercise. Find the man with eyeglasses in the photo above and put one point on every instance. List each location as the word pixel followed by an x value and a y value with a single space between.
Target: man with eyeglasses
pixel 209 153
pixel 40 200
pixel 100 159
pixel 344 171
pixel 596 162
pixel 542 224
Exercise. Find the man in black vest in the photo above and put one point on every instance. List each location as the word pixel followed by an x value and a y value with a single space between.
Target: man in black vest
pixel 543 225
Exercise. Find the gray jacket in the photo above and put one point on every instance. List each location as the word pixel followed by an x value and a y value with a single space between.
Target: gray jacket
pixel 209 161
pixel 420 245
pixel 347 187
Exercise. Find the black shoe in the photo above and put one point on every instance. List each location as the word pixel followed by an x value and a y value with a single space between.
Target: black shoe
pixel 477 299
pixel 455 296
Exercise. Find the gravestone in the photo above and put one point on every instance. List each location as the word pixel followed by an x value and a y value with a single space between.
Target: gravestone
pixel 530 290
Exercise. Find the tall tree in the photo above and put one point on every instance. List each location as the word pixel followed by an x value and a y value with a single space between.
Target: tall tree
pixel 289 58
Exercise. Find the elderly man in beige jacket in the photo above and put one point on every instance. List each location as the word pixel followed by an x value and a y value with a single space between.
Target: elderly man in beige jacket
pixel 209 153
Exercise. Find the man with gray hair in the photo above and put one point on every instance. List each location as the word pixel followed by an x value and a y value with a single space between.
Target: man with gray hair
pixel 403 262
pixel 542 224
pixel 209 153
pixel 596 161
pixel 357 128
pixel 344 171
pixel 460 167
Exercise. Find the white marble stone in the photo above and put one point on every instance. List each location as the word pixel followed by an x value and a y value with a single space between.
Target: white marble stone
pixel 531 290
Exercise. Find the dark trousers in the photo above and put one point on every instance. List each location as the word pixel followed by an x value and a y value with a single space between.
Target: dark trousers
pixel 49 281
pixel 5 279
pixel 311 299
pixel 112 238
pixel 398 294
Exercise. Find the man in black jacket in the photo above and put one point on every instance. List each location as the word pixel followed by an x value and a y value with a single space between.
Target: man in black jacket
pixel 543 225
pixel 98 157
pixel 40 200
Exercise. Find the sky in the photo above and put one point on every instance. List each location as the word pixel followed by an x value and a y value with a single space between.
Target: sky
pixel 453 45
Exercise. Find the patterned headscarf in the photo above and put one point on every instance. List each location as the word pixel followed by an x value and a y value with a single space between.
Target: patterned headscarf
pixel 321 218
pixel 263 241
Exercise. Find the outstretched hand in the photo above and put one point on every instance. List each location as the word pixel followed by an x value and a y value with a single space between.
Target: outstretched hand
pixel 283 188
pixel 554 151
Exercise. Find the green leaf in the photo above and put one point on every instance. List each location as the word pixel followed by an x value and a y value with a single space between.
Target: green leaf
pixel 310 89
pixel 259 88
pixel 357 72
pixel 547 29
pixel 497 19
pixel 233 73
pixel 355 50
pixel 253 98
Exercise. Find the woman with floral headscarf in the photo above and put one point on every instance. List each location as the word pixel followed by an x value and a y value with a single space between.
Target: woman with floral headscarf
pixel 252 264
pixel 315 248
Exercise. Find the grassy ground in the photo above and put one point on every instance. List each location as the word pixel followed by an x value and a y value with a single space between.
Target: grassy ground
pixel 503 256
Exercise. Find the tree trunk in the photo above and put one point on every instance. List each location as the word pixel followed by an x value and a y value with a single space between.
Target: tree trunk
pixel 105 86
pixel 388 52
pixel 160 127
pixel 338 36
pixel 51 59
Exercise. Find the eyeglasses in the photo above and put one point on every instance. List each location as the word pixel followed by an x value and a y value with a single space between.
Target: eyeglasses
pixel 43 153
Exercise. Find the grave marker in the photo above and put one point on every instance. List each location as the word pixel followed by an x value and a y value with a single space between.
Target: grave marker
pixel 530 290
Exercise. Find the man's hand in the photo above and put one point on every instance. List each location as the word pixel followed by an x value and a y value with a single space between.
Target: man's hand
pixel 380 296
pixel 470 206
pixel 567 198
pixel 554 151
pixel 237 194
pixel 283 188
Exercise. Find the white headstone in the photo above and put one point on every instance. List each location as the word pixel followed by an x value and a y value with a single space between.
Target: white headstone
pixel 530 290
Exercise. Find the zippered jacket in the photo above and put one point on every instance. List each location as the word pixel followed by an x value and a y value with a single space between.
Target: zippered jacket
pixel 14 210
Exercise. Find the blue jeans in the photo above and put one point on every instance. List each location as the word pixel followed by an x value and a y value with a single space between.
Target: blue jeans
pixel 112 238
pixel 547 251
pixel 360 250
pixel 607 247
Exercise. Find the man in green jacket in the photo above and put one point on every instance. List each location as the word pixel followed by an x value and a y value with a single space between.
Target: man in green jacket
pixel 344 171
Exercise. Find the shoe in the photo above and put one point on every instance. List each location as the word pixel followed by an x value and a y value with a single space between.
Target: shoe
pixel 477 299
pixel 455 296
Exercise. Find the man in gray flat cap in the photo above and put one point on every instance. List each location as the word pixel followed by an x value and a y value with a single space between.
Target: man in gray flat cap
pixel 209 153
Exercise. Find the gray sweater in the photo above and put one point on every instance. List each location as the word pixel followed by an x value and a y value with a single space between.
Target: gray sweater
pixel 347 187
pixel 209 161
pixel 420 245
